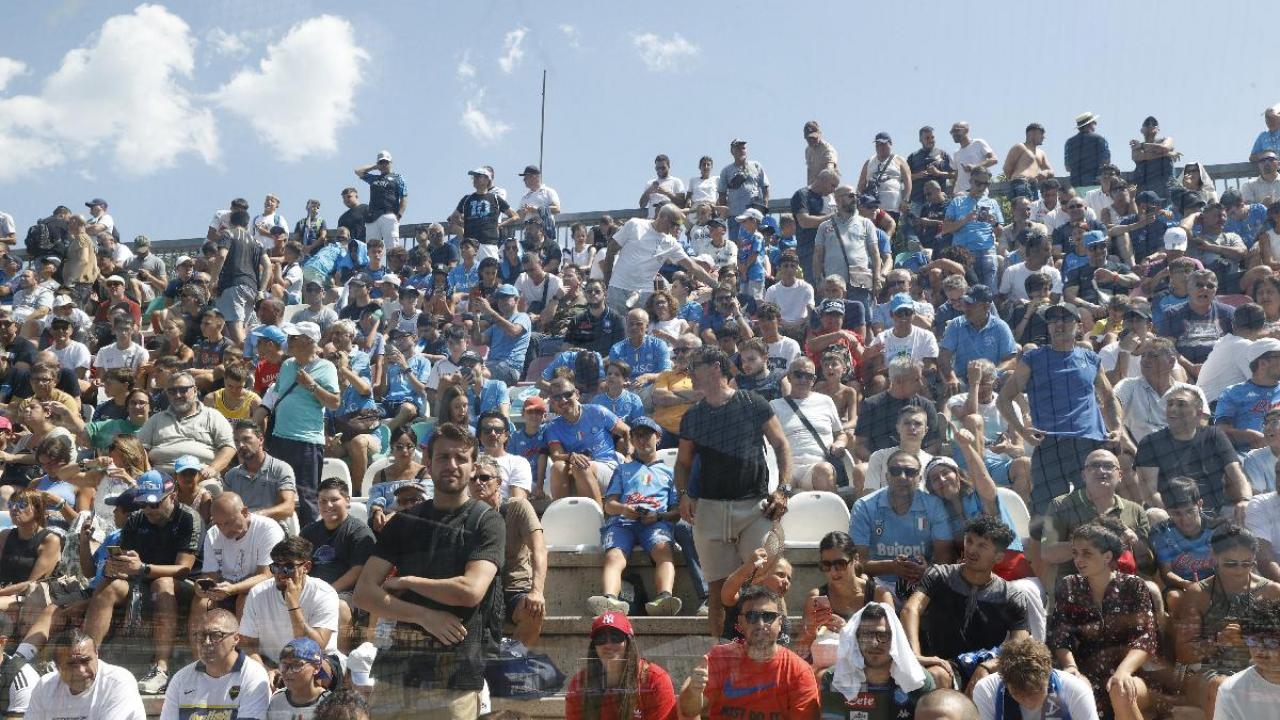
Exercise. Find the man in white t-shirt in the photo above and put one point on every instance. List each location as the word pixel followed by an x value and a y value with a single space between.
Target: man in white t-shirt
pixel 84 687
pixel 1120 359
pixel 975 153
pixel 540 291
pixel 517 476
pixel 1254 692
pixel 703 189
pixel 262 224
pixel 224 682
pixel 903 339
pixel 793 296
pixel 1228 362
pixel 288 606
pixel 221 221
pixel 782 350
pixel 663 189
pixel 813 452
pixel 237 552
pixel 636 253
pixel 1037 257
pixel 124 352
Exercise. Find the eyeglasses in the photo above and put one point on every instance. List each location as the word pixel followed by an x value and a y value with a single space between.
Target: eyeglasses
pixel 1075 206
pixel 802 375
pixel 213 637
pixel 565 396
pixel 768 617
pixel 493 430
pixel 874 637
pixel 1236 563
pixel 609 637
pixel 483 478
pixel 283 568
pixel 1103 466
pixel 179 389
pixel 1270 643
pixel 295 665
pixel 903 471
pixel 829 565
pixel 18 505
pixel 678 350
pixel 593 291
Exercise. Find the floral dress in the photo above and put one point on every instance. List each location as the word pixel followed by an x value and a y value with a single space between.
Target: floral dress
pixel 1100 635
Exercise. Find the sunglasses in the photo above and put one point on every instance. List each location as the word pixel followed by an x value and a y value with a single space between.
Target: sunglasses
pixel 180 389
pixel 829 565
pixel 1270 643
pixel 483 478
pixel 802 375
pixel 768 617
pixel 903 471
pixel 283 568
pixel 609 637
pixel 402 446
pixel 493 430
pixel 18 505
pixel 563 397
pixel 1236 563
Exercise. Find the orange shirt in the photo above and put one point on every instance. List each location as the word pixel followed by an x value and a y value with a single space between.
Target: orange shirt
pixel 669 417
pixel 783 688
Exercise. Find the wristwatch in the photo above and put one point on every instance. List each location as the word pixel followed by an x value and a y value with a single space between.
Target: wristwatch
pixel 145 572
pixel 785 488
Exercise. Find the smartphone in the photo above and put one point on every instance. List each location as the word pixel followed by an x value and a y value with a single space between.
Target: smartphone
pixel 206 584
pixel 115 551
pixel 822 603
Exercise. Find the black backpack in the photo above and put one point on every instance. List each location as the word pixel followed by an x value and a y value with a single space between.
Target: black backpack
pixel 40 242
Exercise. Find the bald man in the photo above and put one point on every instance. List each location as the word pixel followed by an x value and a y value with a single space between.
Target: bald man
pixel 638 250
pixel 237 551
pixel 946 704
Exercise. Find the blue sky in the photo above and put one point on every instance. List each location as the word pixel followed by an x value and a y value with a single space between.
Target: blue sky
pixel 169 111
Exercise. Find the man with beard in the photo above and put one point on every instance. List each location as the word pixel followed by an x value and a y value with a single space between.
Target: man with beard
pixel 882 684
pixel 755 678
pixel 221 678
pixel 598 327
pixel 187 427
pixel 265 483
pixel 447 553
pixel 662 189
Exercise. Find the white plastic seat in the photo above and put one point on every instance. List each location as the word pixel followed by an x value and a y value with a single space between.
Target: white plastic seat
pixel 1012 502
pixel 668 456
pixel 812 514
pixel 372 472
pixel 214 486
pixel 336 468
pixel 573 525
pixel 771 460
pixel 291 525
pixel 359 510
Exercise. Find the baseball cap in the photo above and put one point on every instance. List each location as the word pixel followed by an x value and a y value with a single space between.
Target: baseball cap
pixel 614 620
pixel 1258 348
pixel 751 213
pixel 126 500
pixel 716 222
pixel 142 241
pixel 506 290
pixel 481 171
pixel 645 421
pixel 51 259
pixel 303 648
pixel 470 356
pixel 360 664
pixel 1062 307
pixel 535 402
pixel 530 170
pixel 184 260
pixel 115 279
pixel 5 424
pixel 272 333
pixel 152 486
pixel 1095 237
pixel 939 461
pixel 187 462
pixel 63 301
pixel 358 279
pixel 832 305
pixel 812 127
pixel 415 485
pixel 384 155
pixel 868 200
pixel 901 300
pixel 737 141
pixel 1140 309
pixel 96 201
pixel 1149 197
pixel 392 278
pixel 304 329
pixel 1175 238
pixel 979 294
pixel 397 332
pixel 883 137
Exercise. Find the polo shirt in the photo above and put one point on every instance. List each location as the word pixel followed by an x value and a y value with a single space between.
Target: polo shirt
pixel 262 489
pixel 994 341
pixel 976 236
pixel 201 434
pixel 887 534
pixel 1070 511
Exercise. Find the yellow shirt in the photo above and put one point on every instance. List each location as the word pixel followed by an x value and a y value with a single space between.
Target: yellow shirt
pixel 669 417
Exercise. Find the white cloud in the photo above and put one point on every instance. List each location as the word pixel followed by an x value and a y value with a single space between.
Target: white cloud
pixel 571 36
pixel 227 44
pixel 483 128
pixel 512 52
pixel 303 91
pixel 116 102
pixel 10 69
pixel 664 55
pixel 466 71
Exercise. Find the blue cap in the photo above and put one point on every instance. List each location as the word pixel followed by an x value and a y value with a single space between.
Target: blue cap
pixel 187 462
pixel 902 300
pixel 303 648
pixel 979 294
pixel 152 486
pixel 644 421
pixel 1094 237
pixel 124 501
pixel 506 290
pixel 272 333
pixel 831 305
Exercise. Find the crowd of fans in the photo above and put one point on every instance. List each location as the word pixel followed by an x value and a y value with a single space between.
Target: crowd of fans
pixel 1053 413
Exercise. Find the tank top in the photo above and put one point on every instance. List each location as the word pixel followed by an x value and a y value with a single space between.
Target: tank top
pixel 1061 392
pixel 1224 608
pixel 19 556
pixel 240 412
pixel 887 176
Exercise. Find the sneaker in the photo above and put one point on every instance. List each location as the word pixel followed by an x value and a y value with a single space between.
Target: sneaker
pixel 703 609
pixel 154 683
pixel 665 605
pixel 601 604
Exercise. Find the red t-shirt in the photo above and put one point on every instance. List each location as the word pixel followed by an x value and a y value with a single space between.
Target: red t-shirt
pixel 656 698
pixel 783 688
pixel 264 374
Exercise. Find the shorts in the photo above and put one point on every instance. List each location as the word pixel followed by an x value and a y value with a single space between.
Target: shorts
pixel 727 532
pixel 391 408
pixel 511 600
pixel 400 672
pixel 604 473
pixel 235 303
pixel 802 474
pixel 386 228
pixel 625 535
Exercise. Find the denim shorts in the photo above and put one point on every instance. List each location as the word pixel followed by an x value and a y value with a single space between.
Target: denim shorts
pixel 626 535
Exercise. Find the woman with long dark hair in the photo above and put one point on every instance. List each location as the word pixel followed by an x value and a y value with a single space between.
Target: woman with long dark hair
pixel 847 590
pixel 618 684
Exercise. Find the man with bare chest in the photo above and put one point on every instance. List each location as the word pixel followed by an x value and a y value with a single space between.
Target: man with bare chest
pixel 1026 164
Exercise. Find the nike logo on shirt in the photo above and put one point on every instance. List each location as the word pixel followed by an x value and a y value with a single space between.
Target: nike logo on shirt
pixel 739 692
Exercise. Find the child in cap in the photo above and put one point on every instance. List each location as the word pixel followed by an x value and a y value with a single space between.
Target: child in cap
pixel 304 670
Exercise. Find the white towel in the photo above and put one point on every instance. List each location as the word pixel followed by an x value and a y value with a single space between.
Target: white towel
pixel 848 678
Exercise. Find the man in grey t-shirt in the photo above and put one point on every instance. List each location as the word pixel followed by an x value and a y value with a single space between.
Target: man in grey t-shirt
pixel 742 183
pixel 266 484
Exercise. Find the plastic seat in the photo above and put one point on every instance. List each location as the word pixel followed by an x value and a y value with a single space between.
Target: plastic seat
pixel 573 525
pixel 668 456
pixel 213 486
pixel 1012 502
pixel 422 429
pixel 336 468
pixel 359 510
pixel 771 460
pixel 372 472
pixel 5 520
pixel 812 514
pixel 516 395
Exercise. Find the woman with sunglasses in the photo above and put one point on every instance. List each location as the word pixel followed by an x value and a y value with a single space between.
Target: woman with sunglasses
pixel 29 551
pixel 1207 626
pixel 847 589
pixel 618 684
pixel 403 470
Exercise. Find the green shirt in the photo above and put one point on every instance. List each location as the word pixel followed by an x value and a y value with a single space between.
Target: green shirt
pixel 102 432
pixel 1070 511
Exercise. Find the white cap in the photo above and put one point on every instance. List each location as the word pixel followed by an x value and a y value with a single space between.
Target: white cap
pixel 1175 238
pixel 115 279
pixel 63 301
pixel 384 155
pixel 482 171
pixel 360 662
pixel 184 259
pixel 392 278
pixel 751 213
pixel 305 329
pixel 1258 348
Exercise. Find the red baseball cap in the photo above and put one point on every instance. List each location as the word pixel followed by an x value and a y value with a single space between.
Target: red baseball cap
pixel 615 620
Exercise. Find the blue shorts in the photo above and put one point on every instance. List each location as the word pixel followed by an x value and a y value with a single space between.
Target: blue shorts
pixel 626 534
pixel 391 408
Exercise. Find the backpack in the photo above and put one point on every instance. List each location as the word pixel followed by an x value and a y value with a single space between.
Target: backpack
pixel 40 241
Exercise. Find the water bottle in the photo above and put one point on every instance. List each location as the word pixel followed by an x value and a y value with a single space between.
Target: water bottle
pixel 382 633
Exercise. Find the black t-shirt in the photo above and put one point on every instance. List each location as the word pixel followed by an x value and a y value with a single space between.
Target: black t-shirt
pixel 1062 234
pixel 243 262
pixel 1203 458
pixel 426 542
pixel 480 215
pixel 340 549
pixel 67 382
pixel 1081 278
pixel 446 255
pixel 161 545
pixel 21 350
pixel 1037 329
pixel 352 311
pixel 878 419
pixel 596 333
pixel 921 159
pixel 730 446
pixel 805 200
pixel 962 618
pixel 353 220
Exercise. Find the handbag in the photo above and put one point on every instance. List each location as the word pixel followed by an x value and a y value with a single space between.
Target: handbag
pixel 518 673
pixel 858 276
pixel 842 475
pixel 271 412
pixel 360 422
